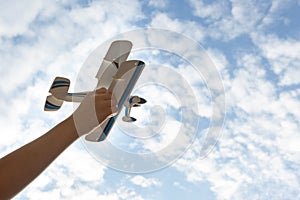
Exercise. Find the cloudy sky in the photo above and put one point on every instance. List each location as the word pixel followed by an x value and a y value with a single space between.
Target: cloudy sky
pixel 255 46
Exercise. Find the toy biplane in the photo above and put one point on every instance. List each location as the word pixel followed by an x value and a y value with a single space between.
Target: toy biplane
pixel 117 74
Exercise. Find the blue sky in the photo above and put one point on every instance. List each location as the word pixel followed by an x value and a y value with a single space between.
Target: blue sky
pixel 255 47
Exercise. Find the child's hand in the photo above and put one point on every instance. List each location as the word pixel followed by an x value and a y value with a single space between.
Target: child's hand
pixel 93 110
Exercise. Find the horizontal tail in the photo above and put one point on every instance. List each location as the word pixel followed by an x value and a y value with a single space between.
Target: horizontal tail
pixel 52 103
pixel 59 90
pixel 60 87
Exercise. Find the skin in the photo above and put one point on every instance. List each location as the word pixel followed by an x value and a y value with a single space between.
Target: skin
pixel 35 156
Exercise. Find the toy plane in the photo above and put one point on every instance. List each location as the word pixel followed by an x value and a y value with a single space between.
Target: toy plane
pixel 115 73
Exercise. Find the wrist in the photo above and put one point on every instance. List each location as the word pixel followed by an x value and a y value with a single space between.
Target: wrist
pixel 70 127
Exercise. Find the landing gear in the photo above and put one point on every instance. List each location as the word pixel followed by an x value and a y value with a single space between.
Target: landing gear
pixel 133 101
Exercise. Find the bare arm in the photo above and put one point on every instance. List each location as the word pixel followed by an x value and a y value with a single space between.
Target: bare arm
pixel 20 167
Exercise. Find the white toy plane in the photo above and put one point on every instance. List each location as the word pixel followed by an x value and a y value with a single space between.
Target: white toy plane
pixel 116 74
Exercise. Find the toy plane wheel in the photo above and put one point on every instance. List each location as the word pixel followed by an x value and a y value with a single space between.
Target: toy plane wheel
pixel 128 119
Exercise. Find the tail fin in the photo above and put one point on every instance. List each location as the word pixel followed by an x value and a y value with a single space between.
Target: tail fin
pixel 59 88
pixel 52 103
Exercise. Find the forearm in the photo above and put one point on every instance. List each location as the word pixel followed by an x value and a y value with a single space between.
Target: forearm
pixel 20 167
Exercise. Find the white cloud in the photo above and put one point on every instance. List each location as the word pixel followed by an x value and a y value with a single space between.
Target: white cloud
pixel 61 181
pixel 228 20
pixel 257 146
pixel 291 76
pixel 189 28
pixel 243 164
pixel 53 42
pixel 158 3
pixel 145 182
pixel 282 54
pixel 27 11
pixel 211 10
pixel 220 60
pixel 253 95
pixel 248 13
pixel 275 10
pixel 128 193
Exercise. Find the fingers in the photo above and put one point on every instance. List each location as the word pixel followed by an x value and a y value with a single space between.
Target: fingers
pixel 101 91
pixel 105 102
pixel 108 103
pixel 105 98
pixel 110 111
